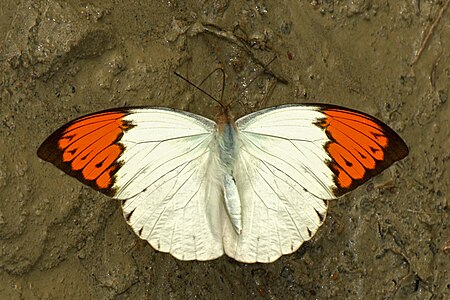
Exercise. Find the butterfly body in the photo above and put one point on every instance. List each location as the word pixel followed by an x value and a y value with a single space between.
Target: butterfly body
pixel 228 148
pixel 254 189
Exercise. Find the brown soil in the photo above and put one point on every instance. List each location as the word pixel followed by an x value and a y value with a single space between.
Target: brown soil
pixel 389 239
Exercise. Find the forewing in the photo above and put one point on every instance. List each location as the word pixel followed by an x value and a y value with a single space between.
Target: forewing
pixel 88 148
pixel 332 150
pixel 291 159
pixel 158 162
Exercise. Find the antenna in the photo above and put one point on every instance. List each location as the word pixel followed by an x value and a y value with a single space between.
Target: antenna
pixel 262 71
pixel 253 80
pixel 202 90
pixel 220 102
pixel 223 81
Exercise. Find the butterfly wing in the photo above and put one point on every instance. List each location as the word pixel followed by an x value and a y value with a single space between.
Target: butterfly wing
pixel 291 159
pixel 159 162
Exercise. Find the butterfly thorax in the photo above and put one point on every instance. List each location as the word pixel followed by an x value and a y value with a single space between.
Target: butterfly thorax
pixel 227 138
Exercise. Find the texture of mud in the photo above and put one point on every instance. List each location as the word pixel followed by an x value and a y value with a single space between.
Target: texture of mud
pixel 389 239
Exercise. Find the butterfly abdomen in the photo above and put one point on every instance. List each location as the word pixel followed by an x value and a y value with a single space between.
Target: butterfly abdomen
pixel 228 141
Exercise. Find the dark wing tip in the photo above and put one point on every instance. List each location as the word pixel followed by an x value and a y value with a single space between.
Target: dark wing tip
pixel 50 151
pixel 395 149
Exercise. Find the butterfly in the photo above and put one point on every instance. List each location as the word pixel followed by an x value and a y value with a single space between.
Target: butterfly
pixel 254 189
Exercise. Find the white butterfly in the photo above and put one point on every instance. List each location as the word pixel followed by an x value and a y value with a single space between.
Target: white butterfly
pixel 254 189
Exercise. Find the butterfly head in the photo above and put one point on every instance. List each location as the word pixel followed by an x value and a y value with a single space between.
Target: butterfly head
pixel 224 117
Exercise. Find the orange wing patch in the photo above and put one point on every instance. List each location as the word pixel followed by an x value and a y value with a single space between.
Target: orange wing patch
pixel 88 148
pixel 360 146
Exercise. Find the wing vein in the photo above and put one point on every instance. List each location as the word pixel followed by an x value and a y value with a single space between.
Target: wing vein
pixel 309 171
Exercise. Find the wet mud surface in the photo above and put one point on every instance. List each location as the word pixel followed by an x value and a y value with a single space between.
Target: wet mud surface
pixel 389 239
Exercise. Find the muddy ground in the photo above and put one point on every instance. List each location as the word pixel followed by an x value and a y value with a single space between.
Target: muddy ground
pixel 389 239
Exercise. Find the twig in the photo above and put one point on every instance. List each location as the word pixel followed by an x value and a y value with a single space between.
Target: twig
pixel 430 32
pixel 231 38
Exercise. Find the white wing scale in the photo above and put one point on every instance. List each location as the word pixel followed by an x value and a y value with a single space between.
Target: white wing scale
pixel 165 179
pixel 282 180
